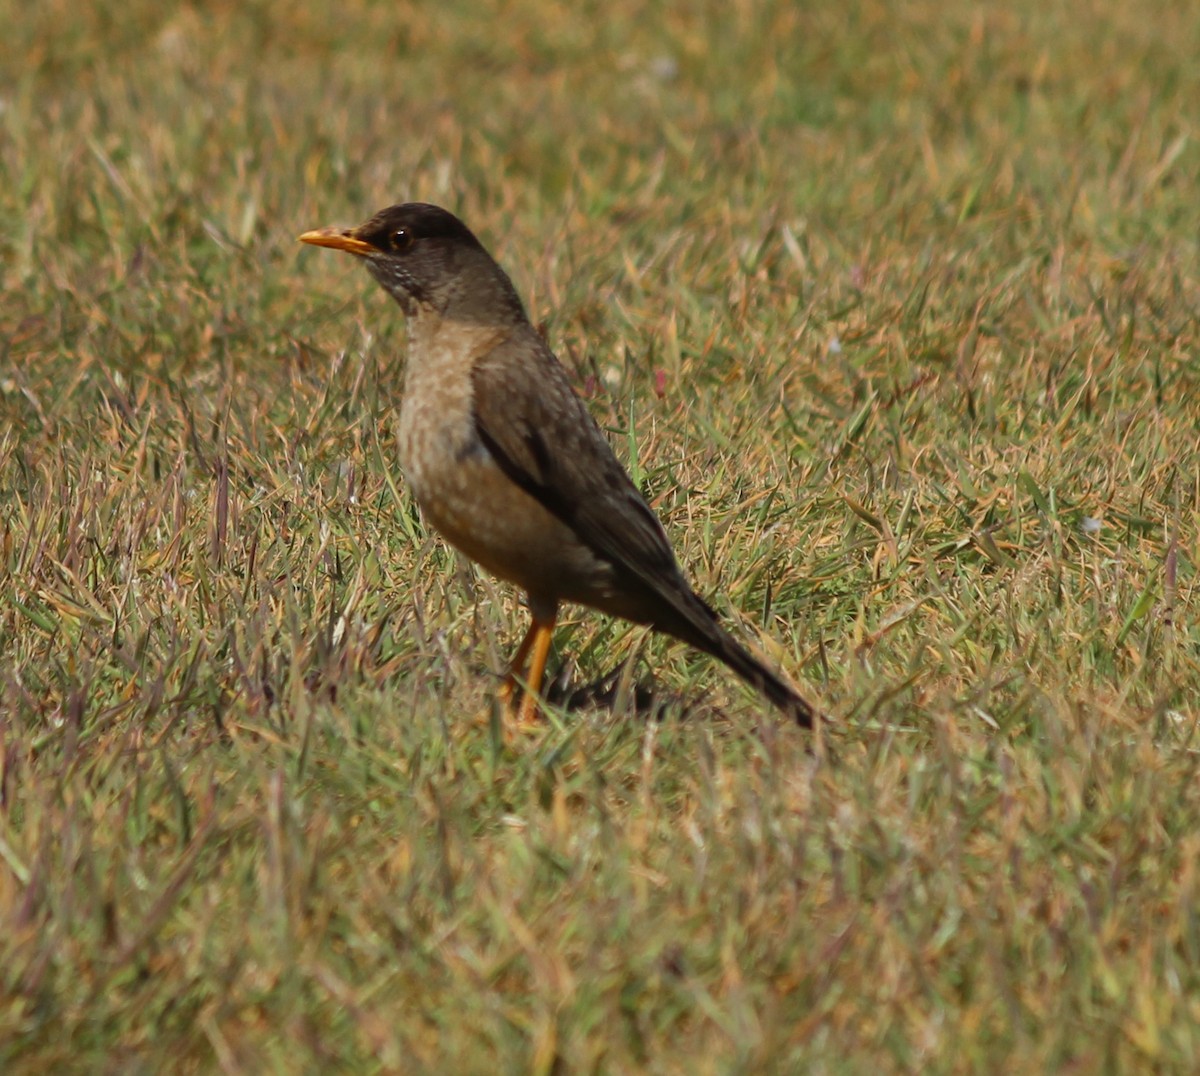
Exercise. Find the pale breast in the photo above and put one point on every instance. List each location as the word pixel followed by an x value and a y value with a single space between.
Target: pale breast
pixel 437 424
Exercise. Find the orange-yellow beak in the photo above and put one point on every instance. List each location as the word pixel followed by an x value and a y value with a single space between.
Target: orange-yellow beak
pixel 338 239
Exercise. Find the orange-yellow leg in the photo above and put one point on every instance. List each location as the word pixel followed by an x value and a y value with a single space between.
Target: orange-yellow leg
pixel 540 631
pixel 516 667
pixel 537 640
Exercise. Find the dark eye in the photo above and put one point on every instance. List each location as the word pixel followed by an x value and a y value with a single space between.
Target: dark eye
pixel 401 239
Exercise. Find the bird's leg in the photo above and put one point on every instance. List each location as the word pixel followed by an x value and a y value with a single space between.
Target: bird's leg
pixel 516 667
pixel 540 631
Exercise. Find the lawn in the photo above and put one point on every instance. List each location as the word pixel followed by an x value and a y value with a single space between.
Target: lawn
pixel 893 312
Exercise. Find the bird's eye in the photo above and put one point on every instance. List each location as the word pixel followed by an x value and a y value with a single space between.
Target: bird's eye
pixel 401 239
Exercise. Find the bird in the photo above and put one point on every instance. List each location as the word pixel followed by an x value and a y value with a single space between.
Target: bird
pixel 506 462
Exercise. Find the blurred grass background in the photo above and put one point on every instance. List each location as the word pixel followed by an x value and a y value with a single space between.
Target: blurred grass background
pixel 892 311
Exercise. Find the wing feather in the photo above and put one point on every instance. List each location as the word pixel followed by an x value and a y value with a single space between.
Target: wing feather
pixel 546 441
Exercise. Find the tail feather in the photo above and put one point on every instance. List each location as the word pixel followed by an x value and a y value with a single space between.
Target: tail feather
pixel 701 630
pixel 757 675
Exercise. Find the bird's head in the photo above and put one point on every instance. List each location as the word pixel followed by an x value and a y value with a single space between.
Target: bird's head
pixel 426 259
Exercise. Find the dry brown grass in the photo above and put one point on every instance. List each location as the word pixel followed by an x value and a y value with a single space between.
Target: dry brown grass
pixel 892 309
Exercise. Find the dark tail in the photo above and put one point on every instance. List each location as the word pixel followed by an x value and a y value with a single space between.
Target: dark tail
pixel 757 675
pixel 702 631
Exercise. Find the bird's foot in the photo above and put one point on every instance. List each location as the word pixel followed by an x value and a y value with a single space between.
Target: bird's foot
pixel 518 712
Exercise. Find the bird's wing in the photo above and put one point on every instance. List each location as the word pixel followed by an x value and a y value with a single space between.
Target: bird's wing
pixel 545 440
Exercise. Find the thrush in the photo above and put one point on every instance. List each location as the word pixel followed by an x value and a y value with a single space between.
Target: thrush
pixel 506 462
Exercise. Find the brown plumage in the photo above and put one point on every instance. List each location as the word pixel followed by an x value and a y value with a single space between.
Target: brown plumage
pixel 506 462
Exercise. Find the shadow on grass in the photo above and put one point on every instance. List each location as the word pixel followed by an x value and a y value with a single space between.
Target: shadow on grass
pixel 616 692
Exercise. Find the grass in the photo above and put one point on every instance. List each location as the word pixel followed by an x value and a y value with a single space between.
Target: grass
pixel 892 310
